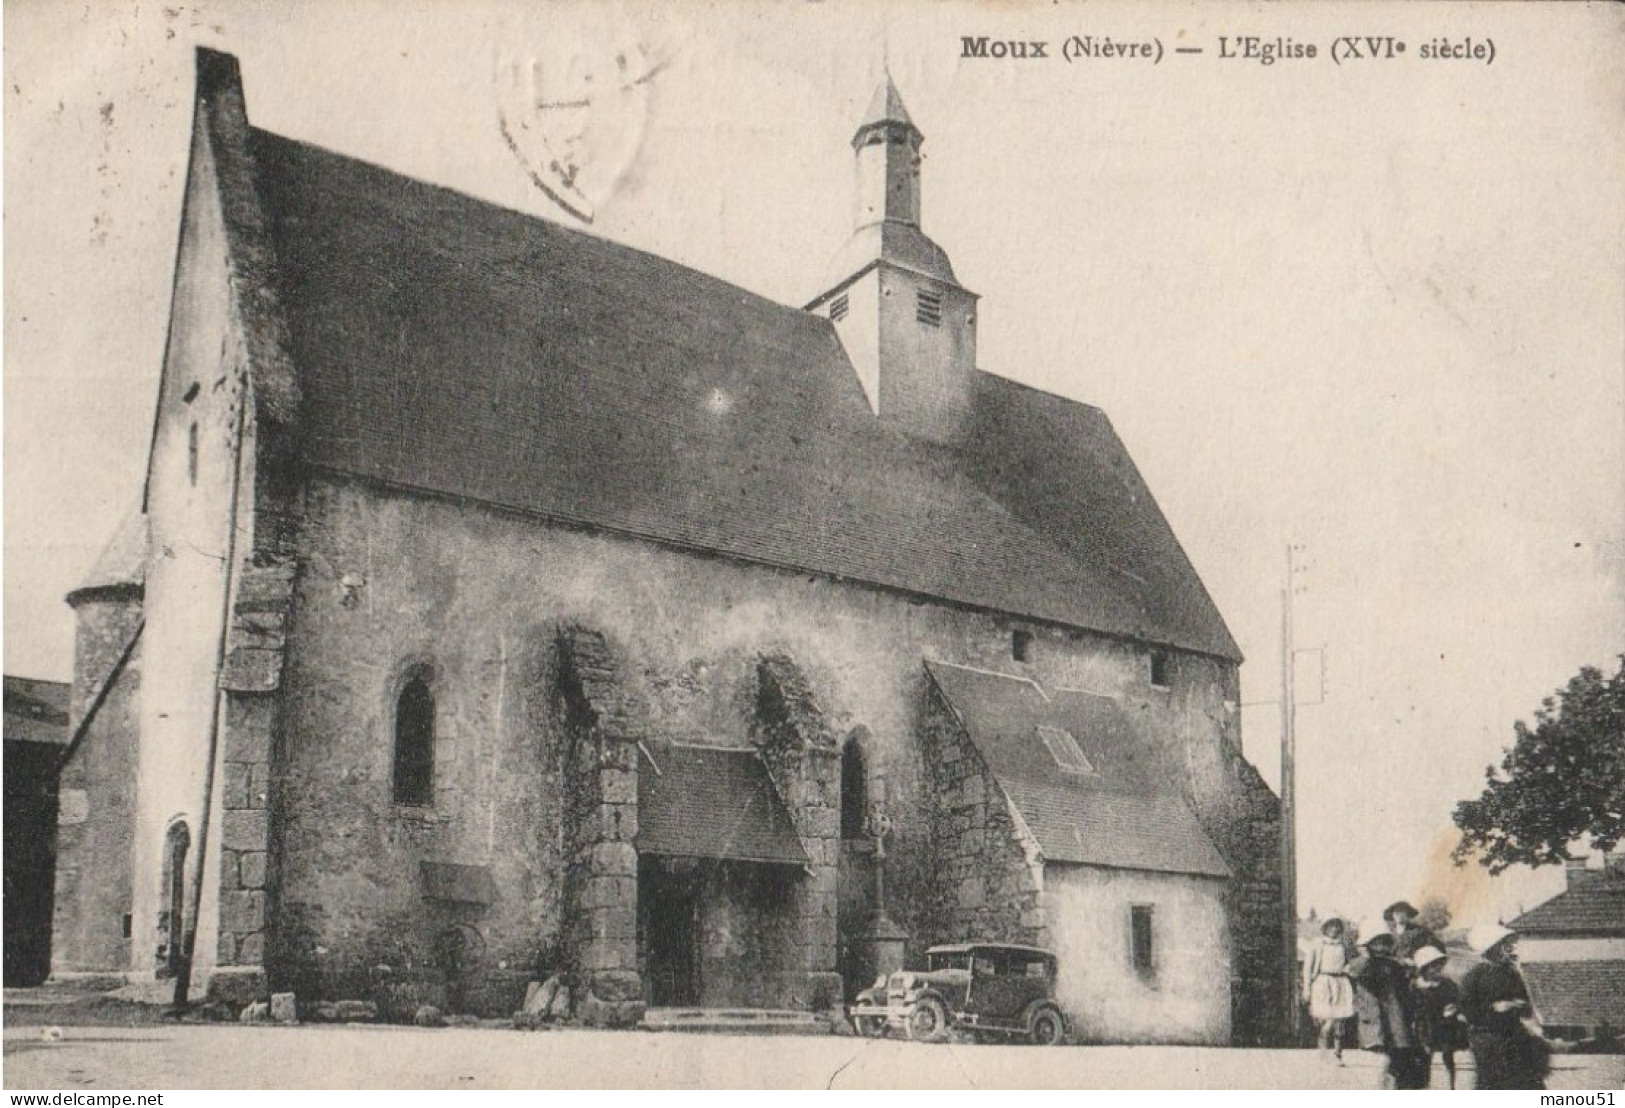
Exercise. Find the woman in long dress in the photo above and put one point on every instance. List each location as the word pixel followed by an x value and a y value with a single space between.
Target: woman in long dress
pixel 1509 1051
pixel 1326 987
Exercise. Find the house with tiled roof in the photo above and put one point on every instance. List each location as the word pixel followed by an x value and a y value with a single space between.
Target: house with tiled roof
pixel 507 601
pixel 1572 949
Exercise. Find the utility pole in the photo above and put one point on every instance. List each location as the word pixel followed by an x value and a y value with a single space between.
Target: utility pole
pixel 1289 825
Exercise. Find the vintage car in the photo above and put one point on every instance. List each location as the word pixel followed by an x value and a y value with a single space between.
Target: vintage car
pixel 992 990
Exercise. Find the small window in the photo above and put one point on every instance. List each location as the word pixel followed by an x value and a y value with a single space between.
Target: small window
pixel 928 308
pixel 1021 646
pixel 1064 748
pixel 989 965
pixel 127 925
pixel 414 744
pixel 1141 938
pixel 854 791
pixel 191 454
pixel 838 308
pixel 1161 670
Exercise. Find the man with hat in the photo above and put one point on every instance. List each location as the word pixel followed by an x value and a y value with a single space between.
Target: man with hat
pixel 1409 936
pixel 1509 1052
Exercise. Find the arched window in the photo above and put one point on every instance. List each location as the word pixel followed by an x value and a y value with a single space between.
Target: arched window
pixel 414 743
pixel 854 790
pixel 172 900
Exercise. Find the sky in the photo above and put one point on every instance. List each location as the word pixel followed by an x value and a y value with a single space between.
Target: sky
pixel 1375 311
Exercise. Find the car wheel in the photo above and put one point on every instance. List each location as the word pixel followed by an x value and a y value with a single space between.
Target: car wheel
pixel 867 1026
pixel 928 1023
pixel 1048 1028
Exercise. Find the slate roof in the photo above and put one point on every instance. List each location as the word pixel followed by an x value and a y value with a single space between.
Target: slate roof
pixel 885 106
pixel 1121 815
pixel 122 562
pixel 1594 907
pixel 901 244
pixel 36 711
pixel 446 345
pixel 1577 994
pixel 711 802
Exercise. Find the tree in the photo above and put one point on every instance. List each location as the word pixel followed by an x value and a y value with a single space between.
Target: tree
pixel 1561 781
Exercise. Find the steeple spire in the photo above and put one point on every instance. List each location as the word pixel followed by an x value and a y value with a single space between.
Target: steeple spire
pixel 885 106
pixel 907 324
pixel 888 152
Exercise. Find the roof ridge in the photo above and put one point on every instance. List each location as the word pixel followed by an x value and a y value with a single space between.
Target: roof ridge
pixel 1018 677
pixel 535 219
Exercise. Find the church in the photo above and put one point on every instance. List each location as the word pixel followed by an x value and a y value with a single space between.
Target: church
pixel 504 601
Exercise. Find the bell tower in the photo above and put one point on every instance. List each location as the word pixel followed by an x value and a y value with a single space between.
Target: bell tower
pixel 905 321
pixel 888 161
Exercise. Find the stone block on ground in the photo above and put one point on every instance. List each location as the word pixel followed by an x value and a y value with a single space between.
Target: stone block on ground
pixel 356 1011
pixel 428 1015
pixel 597 1012
pixel 617 985
pixel 237 986
pixel 540 996
pixel 211 1011
pixel 284 1008
pixel 560 1008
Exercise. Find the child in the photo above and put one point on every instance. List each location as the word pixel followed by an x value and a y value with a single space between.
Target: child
pixel 1440 1025
pixel 1385 1010
pixel 1326 986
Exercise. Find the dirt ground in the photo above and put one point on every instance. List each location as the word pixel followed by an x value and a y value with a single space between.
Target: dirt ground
pixel 164 1055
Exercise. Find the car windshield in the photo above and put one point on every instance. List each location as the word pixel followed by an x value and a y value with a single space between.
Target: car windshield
pixel 952 959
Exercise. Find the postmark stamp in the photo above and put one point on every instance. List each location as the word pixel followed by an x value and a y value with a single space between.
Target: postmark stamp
pixel 572 103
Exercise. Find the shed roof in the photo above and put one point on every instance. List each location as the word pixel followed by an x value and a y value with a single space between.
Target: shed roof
pixel 713 802
pixel 1120 814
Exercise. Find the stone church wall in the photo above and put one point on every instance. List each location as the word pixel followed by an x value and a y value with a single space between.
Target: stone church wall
pixel 96 797
pixel 392 581
pixel 988 887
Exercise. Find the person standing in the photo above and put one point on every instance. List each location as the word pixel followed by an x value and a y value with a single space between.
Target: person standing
pixel 1326 986
pixel 1440 1024
pixel 1409 935
pixel 1509 1051
pixel 1384 1009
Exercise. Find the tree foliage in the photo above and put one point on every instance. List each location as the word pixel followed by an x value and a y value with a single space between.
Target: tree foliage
pixel 1435 914
pixel 1562 780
